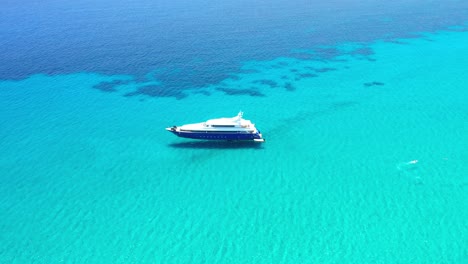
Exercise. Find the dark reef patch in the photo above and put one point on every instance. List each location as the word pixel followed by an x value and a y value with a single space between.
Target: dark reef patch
pixel 110 86
pixel 270 83
pixel 397 42
pixel 343 104
pixel 156 91
pixel 293 70
pixel 250 92
pixel 307 75
pixel 248 71
pixel 362 51
pixel 284 77
pixel 321 70
pixel 339 60
pixel 328 53
pixel 369 84
pixel 202 92
pixel 288 86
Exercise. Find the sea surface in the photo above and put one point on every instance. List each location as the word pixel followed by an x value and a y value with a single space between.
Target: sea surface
pixel 363 104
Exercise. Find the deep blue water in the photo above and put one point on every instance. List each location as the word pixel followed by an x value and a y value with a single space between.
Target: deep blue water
pixel 191 44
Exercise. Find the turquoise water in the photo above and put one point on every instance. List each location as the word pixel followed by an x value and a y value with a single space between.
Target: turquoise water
pixel 93 177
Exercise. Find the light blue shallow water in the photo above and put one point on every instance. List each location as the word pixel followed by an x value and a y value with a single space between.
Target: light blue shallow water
pixel 92 177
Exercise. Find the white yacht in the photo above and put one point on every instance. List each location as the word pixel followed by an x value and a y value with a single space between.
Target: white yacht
pixel 233 128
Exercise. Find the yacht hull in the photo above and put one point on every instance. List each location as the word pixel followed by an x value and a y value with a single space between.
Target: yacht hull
pixel 218 135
